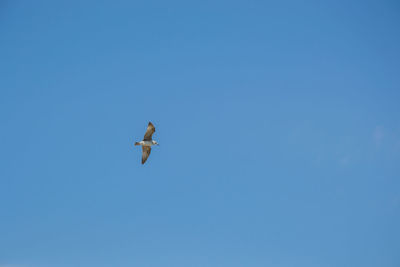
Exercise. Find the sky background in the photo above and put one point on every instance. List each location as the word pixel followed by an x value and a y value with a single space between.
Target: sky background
pixel 278 124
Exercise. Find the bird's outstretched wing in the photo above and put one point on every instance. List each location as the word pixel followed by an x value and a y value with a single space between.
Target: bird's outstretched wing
pixel 146 153
pixel 149 132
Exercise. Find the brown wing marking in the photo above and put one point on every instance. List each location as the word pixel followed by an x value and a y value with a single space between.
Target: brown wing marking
pixel 149 132
pixel 146 153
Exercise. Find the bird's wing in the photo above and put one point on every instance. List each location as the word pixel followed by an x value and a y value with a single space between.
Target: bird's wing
pixel 149 132
pixel 146 153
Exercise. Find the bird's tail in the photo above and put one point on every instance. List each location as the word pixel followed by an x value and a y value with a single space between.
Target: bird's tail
pixel 137 144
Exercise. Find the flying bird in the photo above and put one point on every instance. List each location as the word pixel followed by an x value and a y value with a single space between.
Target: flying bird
pixel 147 142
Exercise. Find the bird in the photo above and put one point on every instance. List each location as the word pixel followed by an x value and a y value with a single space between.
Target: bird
pixel 147 142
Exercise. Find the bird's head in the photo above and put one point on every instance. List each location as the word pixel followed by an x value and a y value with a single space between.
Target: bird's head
pixel 155 143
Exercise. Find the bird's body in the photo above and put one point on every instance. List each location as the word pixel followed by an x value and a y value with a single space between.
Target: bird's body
pixel 147 142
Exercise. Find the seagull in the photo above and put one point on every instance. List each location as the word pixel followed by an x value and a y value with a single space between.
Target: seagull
pixel 147 142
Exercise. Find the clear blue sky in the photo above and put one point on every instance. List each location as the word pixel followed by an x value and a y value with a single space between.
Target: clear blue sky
pixel 278 124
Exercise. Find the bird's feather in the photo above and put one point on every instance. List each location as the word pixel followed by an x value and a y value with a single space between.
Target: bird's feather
pixel 149 132
pixel 146 153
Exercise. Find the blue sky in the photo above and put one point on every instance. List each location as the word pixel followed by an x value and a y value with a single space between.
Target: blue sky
pixel 278 124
